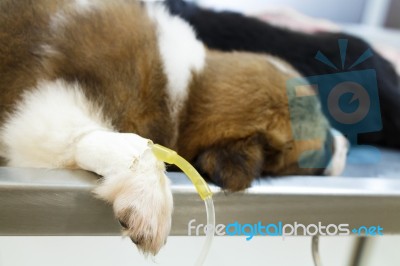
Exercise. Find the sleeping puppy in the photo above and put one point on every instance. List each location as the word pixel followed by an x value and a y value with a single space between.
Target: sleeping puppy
pixel 231 31
pixel 86 84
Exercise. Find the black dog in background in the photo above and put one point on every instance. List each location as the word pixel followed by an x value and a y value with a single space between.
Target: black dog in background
pixel 233 31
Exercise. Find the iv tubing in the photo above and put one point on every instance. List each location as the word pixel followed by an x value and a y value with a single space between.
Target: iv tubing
pixel 169 156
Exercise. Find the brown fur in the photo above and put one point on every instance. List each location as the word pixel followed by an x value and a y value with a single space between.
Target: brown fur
pixel 113 55
pixel 235 125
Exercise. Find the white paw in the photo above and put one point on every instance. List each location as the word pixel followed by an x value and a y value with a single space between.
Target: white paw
pixel 142 202
pixel 134 182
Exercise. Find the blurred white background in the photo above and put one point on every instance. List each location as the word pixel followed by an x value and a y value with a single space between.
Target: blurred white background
pixel 260 251
pixel 371 12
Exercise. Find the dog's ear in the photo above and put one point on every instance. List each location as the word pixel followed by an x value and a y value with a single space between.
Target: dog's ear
pixel 233 164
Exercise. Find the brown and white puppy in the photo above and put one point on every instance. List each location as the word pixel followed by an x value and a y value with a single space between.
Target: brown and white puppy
pixel 84 84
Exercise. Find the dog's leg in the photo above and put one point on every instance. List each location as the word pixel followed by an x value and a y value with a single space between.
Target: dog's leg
pixel 233 165
pixel 55 126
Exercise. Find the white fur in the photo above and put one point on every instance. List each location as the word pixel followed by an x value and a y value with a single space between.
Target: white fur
pixel 180 51
pixel 281 65
pixel 48 50
pixel 83 4
pixel 61 17
pixel 56 126
pixel 46 124
pixel 58 20
pixel 136 184
pixel 338 161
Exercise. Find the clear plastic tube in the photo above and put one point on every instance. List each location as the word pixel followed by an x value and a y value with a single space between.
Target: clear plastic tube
pixel 210 232
pixel 169 156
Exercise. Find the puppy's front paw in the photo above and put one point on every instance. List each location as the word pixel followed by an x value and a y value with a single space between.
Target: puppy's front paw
pixel 142 201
